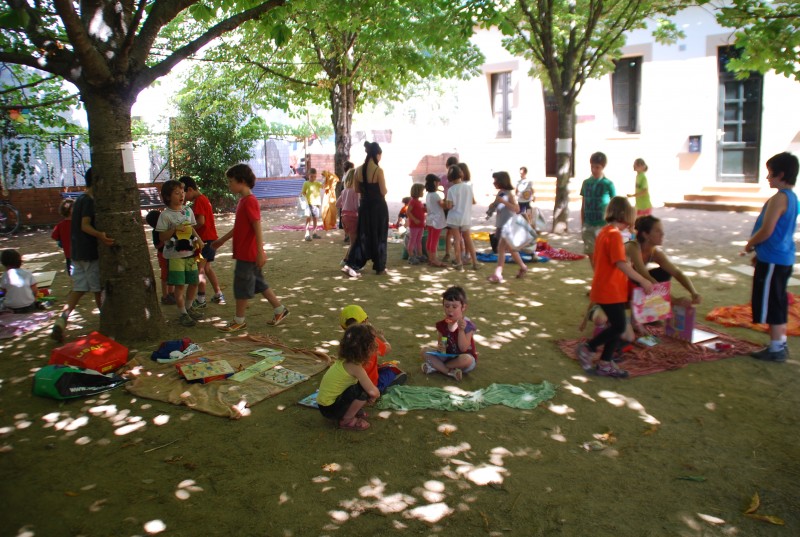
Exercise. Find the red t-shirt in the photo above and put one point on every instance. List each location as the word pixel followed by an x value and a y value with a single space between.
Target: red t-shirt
pixel 63 232
pixel 371 365
pixel 609 285
pixel 201 206
pixel 244 236
pixel 416 208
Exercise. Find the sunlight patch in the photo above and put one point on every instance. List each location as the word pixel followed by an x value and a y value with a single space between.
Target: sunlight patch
pixel 430 513
pixel 154 526
pixel 452 451
pixel 161 419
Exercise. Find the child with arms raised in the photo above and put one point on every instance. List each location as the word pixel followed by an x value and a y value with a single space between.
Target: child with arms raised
pixel 610 288
pixel 456 354
pixel 346 387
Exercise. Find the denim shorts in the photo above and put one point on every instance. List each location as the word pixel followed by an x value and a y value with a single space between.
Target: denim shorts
pixel 86 276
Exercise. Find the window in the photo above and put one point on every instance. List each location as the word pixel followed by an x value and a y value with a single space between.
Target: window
pixel 501 103
pixel 626 84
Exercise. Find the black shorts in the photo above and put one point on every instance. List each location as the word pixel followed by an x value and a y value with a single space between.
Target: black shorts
pixel 769 301
pixel 248 280
pixel 339 407
pixel 208 252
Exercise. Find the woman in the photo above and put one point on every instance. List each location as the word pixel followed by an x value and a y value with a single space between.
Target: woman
pixel 373 215
pixel 645 249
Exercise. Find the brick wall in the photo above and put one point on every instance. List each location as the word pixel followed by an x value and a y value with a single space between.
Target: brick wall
pixel 322 162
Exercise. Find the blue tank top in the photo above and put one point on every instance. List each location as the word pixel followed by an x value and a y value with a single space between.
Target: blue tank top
pixel 779 247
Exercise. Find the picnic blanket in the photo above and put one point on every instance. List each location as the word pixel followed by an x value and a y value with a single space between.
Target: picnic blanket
pixel 492 258
pixel 522 395
pixel 16 324
pixel 671 353
pixel 742 315
pixel 226 398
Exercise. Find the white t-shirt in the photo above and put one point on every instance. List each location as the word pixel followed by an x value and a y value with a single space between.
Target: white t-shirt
pixel 436 218
pixel 171 219
pixel 461 213
pixel 17 283
pixel 525 190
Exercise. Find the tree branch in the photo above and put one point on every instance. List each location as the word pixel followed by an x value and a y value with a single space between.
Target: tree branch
pixel 29 85
pixel 127 44
pixel 39 105
pixel 94 66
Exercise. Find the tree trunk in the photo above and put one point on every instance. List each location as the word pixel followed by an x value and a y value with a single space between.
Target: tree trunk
pixel 342 105
pixel 564 154
pixel 130 309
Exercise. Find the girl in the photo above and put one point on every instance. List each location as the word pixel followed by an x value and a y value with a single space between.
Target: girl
pixel 642 195
pixel 645 249
pixel 346 388
pixel 507 206
pixel 347 202
pixel 416 224
pixel 610 288
pixel 459 216
pixel 434 204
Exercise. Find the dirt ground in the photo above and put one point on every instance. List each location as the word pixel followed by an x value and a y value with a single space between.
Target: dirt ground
pixel 690 447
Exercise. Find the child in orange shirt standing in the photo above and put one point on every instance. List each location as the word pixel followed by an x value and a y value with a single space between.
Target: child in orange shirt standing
pixel 610 288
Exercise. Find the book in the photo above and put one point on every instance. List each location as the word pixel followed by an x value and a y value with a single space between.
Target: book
pixel 205 372
pixel 282 377
pixel 259 367
pixel 309 400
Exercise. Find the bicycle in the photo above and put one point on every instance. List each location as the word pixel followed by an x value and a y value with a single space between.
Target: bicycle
pixel 9 218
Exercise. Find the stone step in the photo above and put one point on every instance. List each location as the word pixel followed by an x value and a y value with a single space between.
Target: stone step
pixel 755 198
pixel 742 207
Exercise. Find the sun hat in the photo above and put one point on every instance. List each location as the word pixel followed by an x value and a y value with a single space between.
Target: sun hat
pixel 352 312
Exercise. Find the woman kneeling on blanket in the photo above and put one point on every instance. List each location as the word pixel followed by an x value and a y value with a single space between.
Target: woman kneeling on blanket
pixel 346 387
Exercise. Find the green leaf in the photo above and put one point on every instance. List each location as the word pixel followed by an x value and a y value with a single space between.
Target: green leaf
pixel 14 19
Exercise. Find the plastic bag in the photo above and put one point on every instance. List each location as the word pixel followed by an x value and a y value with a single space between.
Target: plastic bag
pixel 302 206
pixel 518 232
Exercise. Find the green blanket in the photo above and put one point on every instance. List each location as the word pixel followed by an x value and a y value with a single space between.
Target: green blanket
pixel 521 395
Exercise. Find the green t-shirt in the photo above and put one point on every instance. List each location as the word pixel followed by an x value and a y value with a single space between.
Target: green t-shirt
pixel 596 195
pixel 642 202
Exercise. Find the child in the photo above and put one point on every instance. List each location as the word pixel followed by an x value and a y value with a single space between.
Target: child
pixel 17 284
pixel 176 229
pixel 610 288
pixel 340 186
pixel 525 193
pixel 347 202
pixel 167 290
pixel 436 220
pixel 402 215
pixel 459 216
pixel 642 195
pixel 416 224
pixel 383 375
pixel 248 250
pixel 456 353
pixel 84 256
pixel 451 161
pixel 773 242
pixel 62 233
pixel 506 208
pixel 207 230
pixel 596 192
pixel 312 192
pixel 345 388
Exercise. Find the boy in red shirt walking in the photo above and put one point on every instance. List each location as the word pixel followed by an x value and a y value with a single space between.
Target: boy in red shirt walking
pixel 207 229
pixel 248 250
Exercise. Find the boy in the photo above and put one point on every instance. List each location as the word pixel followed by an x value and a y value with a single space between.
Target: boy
pixel 63 230
pixel 17 284
pixel 207 229
pixel 597 191
pixel 248 250
pixel 456 352
pixel 773 242
pixel 85 258
pixel 175 228
pixel 525 194
pixel 383 375
pixel 167 290
pixel 312 193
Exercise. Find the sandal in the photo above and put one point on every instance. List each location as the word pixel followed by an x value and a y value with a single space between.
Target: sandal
pixel 522 272
pixel 494 278
pixel 362 414
pixel 355 424
pixel 456 373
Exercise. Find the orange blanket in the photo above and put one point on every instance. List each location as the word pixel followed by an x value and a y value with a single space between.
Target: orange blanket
pixel 742 315
pixel 671 353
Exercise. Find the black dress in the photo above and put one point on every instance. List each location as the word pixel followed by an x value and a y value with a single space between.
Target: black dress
pixel 373 226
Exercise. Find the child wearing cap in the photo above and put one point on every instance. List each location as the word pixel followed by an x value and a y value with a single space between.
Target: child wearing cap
pixel 383 375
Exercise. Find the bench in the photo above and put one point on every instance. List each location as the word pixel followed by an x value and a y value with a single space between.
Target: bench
pixel 278 188
pixel 149 197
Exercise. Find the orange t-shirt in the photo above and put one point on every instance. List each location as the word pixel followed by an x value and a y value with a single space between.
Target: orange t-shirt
pixel 371 365
pixel 609 285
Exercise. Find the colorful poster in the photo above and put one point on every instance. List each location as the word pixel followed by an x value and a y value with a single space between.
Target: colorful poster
pixel 655 306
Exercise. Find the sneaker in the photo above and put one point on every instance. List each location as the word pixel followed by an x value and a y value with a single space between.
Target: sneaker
pixel 315 236
pixel 186 320
pixel 196 304
pixel 428 368
pixel 459 267
pixel 399 380
pixel 168 300
pixel 456 373
pixel 446 258
pixel 763 354
pixel 218 299
pixel 610 369
pixel 350 272
pixel 195 313
pixel 413 261
pixel 308 238
pixel 279 317
pixel 585 356
pixel 233 326
pixel 58 329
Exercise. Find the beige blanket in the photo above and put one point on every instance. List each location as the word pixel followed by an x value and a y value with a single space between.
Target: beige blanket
pixel 228 398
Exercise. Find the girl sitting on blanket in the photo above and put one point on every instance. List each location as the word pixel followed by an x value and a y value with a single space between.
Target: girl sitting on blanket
pixel 345 387
pixel 646 249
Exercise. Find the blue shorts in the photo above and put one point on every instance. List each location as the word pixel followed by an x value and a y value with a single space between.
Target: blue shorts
pixel 208 252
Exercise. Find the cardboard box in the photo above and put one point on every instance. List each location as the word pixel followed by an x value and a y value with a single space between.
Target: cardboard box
pixel 95 351
pixel 681 325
